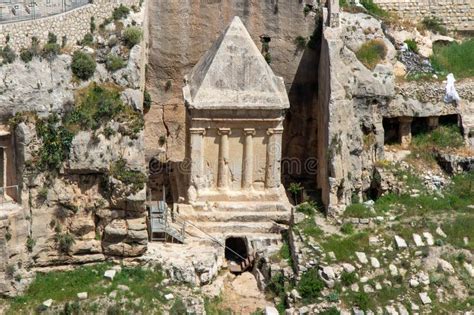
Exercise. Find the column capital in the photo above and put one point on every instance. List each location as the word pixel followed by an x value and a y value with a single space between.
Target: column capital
pixel 271 131
pixel 249 131
pixel 198 131
pixel 223 131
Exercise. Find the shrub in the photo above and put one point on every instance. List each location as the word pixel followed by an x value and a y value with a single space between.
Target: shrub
pixel 455 58
pixel 434 24
pixel 87 40
pixel 56 143
pixel 310 285
pixel 8 236
pixel 50 50
pixel 178 307
pixel 132 36
pixel 333 297
pixel 374 9
pixel 92 25
pixel 361 299
pixel 146 100
pixel 347 228
pixel 114 62
pixel 121 12
pixel 52 38
pixel 372 52
pixel 30 243
pixel 135 179
pixel 295 189
pixel 306 208
pixel 348 278
pixel 26 55
pixel 8 54
pixel 412 45
pixel 268 58
pixel 65 242
pixel 330 311
pixel 83 65
pixel 300 42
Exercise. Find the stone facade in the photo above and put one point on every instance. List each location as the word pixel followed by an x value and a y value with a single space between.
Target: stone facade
pixel 455 14
pixel 235 111
pixel 73 24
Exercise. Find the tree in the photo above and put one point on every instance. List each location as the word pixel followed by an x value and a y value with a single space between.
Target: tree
pixel 295 189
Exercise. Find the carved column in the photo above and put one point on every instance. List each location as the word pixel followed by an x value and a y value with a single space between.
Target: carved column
pixel 433 122
pixel 223 171
pixel 247 167
pixel 273 170
pixel 404 130
pixel 197 154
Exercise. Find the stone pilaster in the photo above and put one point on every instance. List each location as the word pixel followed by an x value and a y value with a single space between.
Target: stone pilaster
pixel 273 168
pixel 247 163
pixel 404 130
pixel 223 170
pixel 197 154
pixel 433 122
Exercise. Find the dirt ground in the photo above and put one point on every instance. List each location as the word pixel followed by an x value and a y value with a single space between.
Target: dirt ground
pixel 241 294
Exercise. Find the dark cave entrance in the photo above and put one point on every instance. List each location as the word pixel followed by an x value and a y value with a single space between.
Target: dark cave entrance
pixel 447 120
pixel 391 128
pixel 236 250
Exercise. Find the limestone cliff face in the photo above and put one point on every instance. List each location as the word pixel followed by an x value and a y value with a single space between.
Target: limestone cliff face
pixel 182 31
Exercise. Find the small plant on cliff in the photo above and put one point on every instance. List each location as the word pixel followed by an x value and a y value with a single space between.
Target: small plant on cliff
pixel 434 24
pixel 372 52
pixel 146 101
pixel 93 26
pixel 65 242
pixel 132 36
pixel 88 40
pixel 26 55
pixel 51 48
pixel 300 42
pixel 412 45
pixel 114 63
pixel 120 171
pixel 30 244
pixel 121 12
pixel 8 54
pixel 56 143
pixel 295 189
pixel 83 65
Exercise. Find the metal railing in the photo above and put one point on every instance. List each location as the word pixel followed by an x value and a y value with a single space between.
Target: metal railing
pixel 24 10
pixel 8 194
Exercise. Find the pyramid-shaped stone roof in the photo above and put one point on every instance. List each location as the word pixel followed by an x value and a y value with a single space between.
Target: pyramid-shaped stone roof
pixel 233 74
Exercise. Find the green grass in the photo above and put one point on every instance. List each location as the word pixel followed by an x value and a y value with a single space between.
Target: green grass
pixel 456 197
pixel 372 52
pixel 445 136
pixel 310 285
pixel 374 9
pixel 64 286
pixel 345 247
pixel 358 210
pixel 309 228
pixel 455 58
pixel 459 228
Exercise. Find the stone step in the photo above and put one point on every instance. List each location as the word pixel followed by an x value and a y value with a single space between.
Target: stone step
pixel 263 206
pixel 233 227
pixel 238 216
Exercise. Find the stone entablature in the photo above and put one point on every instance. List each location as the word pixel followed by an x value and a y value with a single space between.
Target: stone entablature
pixel 73 24
pixel 235 112
pixel 455 14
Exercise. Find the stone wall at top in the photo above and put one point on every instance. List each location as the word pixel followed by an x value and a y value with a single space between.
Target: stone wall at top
pixel 73 24
pixel 455 14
